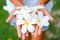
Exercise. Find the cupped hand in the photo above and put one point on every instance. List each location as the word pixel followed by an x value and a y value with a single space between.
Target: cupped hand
pixel 18 27
pixel 38 29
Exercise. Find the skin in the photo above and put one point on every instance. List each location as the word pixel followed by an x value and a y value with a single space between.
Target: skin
pixel 18 27
pixel 38 30
pixel 43 2
pixel 17 2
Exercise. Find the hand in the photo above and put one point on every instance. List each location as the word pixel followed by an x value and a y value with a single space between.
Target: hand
pixel 37 31
pixel 45 11
pixel 48 14
pixel 20 34
pixel 11 16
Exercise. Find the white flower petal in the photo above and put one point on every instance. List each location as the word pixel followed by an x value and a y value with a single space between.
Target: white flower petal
pixel 33 18
pixel 34 9
pixel 19 21
pixel 24 29
pixel 46 24
pixel 33 15
pixel 40 24
pixel 19 16
pixel 27 17
pixel 40 13
pixel 46 18
pixel 40 6
pixel 25 7
pixel 22 11
pixel 16 12
pixel 33 21
pixel 31 28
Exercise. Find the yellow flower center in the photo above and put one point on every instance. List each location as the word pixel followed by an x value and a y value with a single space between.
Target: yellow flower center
pixel 26 22
pixel 38 20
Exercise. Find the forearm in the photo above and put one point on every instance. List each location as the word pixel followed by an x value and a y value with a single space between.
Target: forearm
pixel 17 2
pixel 43 2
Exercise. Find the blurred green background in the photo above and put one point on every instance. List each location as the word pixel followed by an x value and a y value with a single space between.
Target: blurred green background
pixel 8 32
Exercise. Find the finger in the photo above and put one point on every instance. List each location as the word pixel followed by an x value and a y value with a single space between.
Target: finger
pixel 39 31
pixel 19 31
pixel 9 18
pixel 36 31
pixel 23 36
pixel 32 33
pixel 27 34
pixel 50 17
pixel 48 14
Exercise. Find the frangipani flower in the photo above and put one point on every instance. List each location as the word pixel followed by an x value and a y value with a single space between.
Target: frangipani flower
pixel 27 27
pixel 28 24
pixel 35 8
pixel 42 20
pixel 19 21
pixel 40 6
pixel 22 14
pixel 26 20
